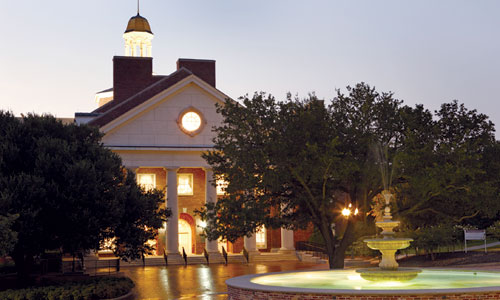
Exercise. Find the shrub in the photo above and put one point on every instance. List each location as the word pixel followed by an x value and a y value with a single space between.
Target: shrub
pixel 93 288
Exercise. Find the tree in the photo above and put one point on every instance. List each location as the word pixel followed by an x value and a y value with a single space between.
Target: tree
pixel 297 162
pixel 449 167
pixel 69 192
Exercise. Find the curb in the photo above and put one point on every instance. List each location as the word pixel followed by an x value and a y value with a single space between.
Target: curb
pixel 129 296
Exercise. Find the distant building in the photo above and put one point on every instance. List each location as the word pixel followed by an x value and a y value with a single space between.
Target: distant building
pixel 160 125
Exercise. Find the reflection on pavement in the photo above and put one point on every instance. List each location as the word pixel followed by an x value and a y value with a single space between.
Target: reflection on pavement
pixel 206 282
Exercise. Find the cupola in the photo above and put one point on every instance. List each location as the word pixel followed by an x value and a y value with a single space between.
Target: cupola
pixel 138 36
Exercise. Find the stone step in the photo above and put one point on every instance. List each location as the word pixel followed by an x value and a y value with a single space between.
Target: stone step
pixel 307 256
pixel 264 257
pixel 195 260
pixel 236 258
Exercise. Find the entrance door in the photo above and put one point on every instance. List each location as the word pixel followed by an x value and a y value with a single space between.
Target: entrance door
pixel 185 236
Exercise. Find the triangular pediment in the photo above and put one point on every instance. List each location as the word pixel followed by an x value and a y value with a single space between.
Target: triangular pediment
pixel 155 123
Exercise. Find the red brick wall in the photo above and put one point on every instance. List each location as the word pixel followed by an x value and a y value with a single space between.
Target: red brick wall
pixel 131 75
pixel 204 69
pixel 302 234
pixel 244 294
pixel 196 201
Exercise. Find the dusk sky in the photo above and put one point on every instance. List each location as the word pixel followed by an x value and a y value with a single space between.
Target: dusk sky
pixel 55 55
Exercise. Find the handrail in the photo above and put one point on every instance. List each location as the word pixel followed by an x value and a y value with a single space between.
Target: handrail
pixel 206 255
pixel 317 249
pixel 165 256
pixel 224 253
pixel 245 254
pixel 184 255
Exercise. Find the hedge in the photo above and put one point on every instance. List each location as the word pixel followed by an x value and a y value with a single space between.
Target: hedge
pixel 91 289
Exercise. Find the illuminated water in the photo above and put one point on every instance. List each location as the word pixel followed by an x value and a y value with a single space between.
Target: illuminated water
pixel 350 280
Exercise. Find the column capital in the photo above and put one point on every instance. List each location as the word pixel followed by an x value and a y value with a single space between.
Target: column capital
pixel 172 168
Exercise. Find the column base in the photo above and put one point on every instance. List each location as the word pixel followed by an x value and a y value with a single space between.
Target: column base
pixel 215 257
pixel 286 251
pixel 175 258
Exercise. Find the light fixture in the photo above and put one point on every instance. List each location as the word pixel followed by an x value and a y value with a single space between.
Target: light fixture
pixel 203 224
pixel 346 212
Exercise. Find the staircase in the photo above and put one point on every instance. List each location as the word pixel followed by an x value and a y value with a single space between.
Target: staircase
pixel 306 256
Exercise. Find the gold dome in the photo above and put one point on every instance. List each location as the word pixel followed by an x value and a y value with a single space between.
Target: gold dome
pixel 138 23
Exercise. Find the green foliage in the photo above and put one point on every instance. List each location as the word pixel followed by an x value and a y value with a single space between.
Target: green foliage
pixel 431 238
pixel 69 192
pixel 8 237
pixel 449 171
pixel 293 162
pixel 494 230
pixel 93 288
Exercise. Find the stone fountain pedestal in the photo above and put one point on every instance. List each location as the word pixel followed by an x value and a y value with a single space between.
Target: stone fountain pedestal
pixel 388 245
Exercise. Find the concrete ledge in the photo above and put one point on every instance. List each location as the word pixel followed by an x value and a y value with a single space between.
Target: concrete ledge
pixel 242 288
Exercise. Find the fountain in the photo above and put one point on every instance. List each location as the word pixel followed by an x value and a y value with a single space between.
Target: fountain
pixel 388 245
pixel 387 282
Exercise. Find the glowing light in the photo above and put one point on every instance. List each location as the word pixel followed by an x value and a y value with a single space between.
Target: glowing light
pixel 356 211
pixel 346 212
pixel 203 224
pixel 221 186
pixel 147 181
pixel 185 184
pixel 191 121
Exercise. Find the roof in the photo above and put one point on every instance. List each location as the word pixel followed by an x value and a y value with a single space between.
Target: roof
pixel 112 110
pixel 138 23
pixel 105 91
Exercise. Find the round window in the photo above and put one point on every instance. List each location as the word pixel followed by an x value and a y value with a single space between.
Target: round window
pixel 191 121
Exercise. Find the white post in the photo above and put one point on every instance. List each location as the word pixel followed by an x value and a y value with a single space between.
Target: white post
pixel 250 244
pixel 287 241
pixel 210 197
pixel 172 203
pixel 214 256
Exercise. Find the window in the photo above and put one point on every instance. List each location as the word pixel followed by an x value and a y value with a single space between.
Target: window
pixel 221 186
pixel 185 184
pixel 261 238
pixel 147 181
pixel 191 121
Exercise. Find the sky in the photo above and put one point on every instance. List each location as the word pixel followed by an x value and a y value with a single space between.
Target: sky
pixel 56 54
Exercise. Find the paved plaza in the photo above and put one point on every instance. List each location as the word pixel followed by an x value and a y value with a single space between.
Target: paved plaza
pixel 199 281
pixel 208 281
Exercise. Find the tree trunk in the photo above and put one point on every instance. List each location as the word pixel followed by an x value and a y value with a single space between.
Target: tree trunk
pixel 336 253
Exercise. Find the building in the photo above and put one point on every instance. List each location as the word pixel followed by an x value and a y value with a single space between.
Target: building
pixel 160 125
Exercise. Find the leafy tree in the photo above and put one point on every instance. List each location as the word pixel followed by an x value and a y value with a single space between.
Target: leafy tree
pixel 449 170
pixel 295 162
pixel 69 192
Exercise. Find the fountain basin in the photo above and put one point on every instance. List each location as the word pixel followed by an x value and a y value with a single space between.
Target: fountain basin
pixel 347 284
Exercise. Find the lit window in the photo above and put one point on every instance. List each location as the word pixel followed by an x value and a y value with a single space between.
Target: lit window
pixel 260 237
pixel 221 186
pixel 185 184
pixel 147 181
pixel 191 121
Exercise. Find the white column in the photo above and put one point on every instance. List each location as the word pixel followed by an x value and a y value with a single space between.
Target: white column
pixel 173 205
pixel 250 244
pixel 210 197
pixel 286 240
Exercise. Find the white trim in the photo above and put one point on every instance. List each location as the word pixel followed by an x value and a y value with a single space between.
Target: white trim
pixel 160 97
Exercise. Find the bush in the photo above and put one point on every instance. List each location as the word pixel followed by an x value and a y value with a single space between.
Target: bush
pixel 431 238
pixel 93 288
pixel 494 230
